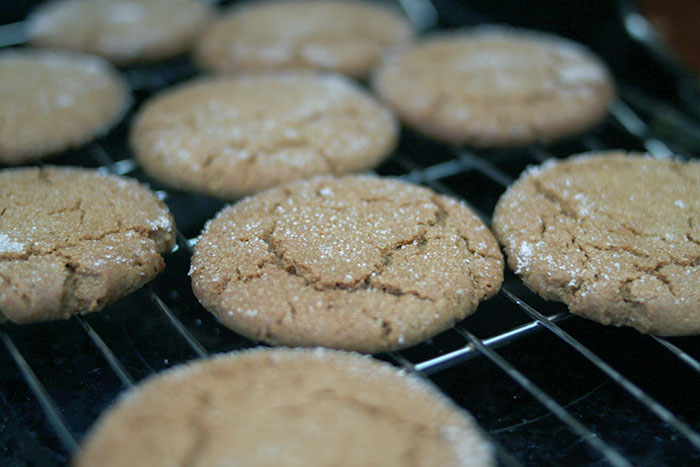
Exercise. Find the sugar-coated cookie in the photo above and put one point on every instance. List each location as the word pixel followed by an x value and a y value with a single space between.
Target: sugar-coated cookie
pixel 122 31
pixel 52 101
pixel 347 37
pixel 228 137
pixel 271 407
pixel 495 86
pixel 615 236
pixel 356 263
pixel 72 241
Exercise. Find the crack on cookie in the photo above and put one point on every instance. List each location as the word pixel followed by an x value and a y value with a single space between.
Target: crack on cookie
pixel 292 310
pixel 332 166
pixel 314 117
pixel 565 210
pixel 56 249
pixel 418 428
pixel 78 206
pixel 26 299
pixel 386 328
pixel 362 283
pixel 208 160
pixel 555 198
pixel 437 104
pixel 279 257
pixel 441 215
pixel 200 434
pixel 385 258
pixel 70 284
pixel 43 176
pixel 261 149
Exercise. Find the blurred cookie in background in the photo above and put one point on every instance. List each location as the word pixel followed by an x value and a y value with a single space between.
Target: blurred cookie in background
pixel 232 136
pixel 494 86
pixel 52 101
pixel 122 31
pixel 348 37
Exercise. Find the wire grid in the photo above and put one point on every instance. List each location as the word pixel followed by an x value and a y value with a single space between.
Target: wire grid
pixel 427 359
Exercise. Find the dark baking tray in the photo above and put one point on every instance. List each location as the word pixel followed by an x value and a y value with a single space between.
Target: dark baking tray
pixel 83 364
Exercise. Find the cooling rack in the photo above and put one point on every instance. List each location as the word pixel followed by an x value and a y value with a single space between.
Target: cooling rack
pixel 547 387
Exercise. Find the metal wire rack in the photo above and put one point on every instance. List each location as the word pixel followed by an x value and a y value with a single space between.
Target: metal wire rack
pixel 548 388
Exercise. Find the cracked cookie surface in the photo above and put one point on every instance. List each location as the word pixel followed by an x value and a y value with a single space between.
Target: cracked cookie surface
pixel 73 241
pixel 614 236
pixel 356 263
pixel 229 137
pixel 52 101
pixel 122 31
pixel 495 86
pixel 292 407
pixel 347 37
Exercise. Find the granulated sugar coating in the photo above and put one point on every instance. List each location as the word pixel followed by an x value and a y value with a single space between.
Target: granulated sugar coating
pixel 122 31
pixel 291 407
pixel 72 241
pixel 51 101
pixel 614 236
pixel 495 86
pixel 347 37
pixel 357 263
pixel 234 136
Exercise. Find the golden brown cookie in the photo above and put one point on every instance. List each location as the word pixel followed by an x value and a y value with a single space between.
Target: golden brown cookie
pixel 51 101
pixel 72 241
pixel 356 263
pixel 229 137
pixel 614 236
pixel 495 86
pixel 122 31
pixel 348 37
pixel 271 407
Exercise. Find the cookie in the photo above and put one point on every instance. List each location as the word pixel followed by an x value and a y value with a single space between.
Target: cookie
pixel 347 37
pixel 122 31
pixel 51 101
pixel 356 263
pixel 72 241
pixel 229 137
pixel 269 407
pixel 614 236
pixel 495 87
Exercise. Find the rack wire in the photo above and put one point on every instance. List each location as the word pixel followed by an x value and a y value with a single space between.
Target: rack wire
pixel 181 324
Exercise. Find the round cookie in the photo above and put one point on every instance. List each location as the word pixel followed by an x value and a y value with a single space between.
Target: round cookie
pixel 614 236
pixel 356 263
pixel 270 407
pixel 51 101
pixel 122 31
pixel 494 87
pixel 229 137
pixel 72 241
pixel 348 37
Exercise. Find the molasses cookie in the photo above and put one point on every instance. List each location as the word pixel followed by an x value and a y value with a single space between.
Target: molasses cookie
pixel 228 137
pixel 357 263
pixel 72 241
pixel 270 407
pixel 122 31
pixel 614 236
pixel 51 101
pixel 495 86
pixel 348 37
